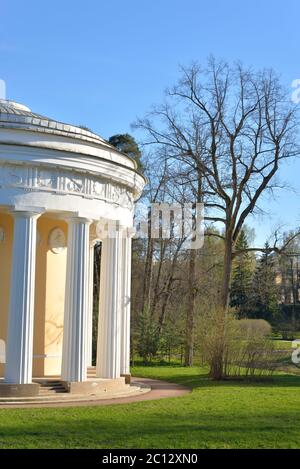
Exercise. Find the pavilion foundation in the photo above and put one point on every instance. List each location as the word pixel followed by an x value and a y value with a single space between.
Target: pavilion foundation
pixel 19 390
pixel 96 386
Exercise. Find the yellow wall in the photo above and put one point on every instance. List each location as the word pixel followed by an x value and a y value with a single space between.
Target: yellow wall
pixel 49 298
pixel 6 222
pixel 49 302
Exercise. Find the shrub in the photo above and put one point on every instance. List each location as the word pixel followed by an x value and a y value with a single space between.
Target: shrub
pixel 236 348
pixel 255 326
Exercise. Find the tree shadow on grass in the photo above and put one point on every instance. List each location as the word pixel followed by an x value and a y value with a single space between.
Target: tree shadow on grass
pixel 202 429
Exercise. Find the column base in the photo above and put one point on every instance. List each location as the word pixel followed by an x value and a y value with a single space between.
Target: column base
pixel 96 386
pixel 127 377
pixel 19 390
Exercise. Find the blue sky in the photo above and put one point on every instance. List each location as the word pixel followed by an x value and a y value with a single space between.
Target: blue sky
pixel 103 63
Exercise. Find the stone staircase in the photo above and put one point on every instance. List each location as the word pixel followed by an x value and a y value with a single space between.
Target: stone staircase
pixel 50 387
pixel 91 372
pixel 53 386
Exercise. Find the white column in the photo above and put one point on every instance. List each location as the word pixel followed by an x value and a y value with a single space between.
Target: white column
pixel 76 301
pixel 109 325
pixel 18 368
pixel 125 304
pixel 89 347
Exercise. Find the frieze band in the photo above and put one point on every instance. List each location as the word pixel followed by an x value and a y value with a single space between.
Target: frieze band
pixel 64 182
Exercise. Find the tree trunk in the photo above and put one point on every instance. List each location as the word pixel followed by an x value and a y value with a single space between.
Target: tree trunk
pixel 225 293
pixel 155 296
pixel 218 362
pixel 146 295
pixel 192 293
pixel 294 295
pixel 166 298
pixel 167 290
pixel 190 313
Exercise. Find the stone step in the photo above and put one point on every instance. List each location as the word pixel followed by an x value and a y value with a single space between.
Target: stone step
pixel 52 393
pixel 56 385
pixel 50 387
pixel 50 383
pixel 47 389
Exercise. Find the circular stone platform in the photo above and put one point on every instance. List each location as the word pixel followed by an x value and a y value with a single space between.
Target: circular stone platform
pixel 141 389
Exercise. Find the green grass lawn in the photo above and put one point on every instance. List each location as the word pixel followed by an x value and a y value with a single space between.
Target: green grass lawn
pixel 214 415
pixel 283 345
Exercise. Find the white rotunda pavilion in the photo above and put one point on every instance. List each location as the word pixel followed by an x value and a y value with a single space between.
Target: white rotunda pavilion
pixel 57 182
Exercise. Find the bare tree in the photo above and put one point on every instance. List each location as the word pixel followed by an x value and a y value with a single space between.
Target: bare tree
pixel 232 128
pixel 154 194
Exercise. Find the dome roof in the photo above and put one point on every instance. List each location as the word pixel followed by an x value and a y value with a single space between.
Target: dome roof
pixel 17 116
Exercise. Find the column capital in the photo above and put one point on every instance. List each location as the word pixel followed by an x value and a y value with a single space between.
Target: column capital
pixel 26 213
pixel 75 219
